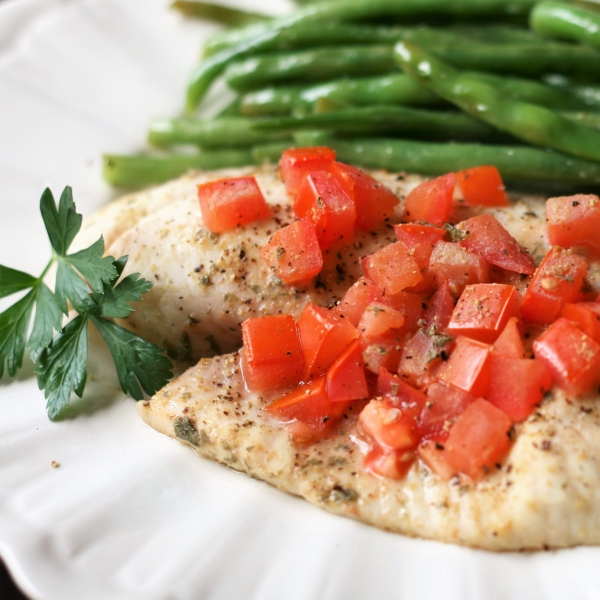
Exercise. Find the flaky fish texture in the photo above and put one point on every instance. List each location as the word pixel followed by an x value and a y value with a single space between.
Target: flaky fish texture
pixel 546 493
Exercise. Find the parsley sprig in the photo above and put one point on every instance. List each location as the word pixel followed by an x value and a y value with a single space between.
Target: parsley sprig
pixel 89 282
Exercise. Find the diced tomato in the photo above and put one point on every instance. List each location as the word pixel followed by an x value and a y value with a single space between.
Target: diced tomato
pixel 307 403
pixel 324 336
pixel 377 320
pixel 346 378
pixel 483 310
pixel 388 426
pixel 357 298
pixel 384 351
pixel 432 453
pixel 228 203
pixel 517 385
pixel 420 239
pixel 439 309
pixel 409 305
pixel 422 355
pixel 479 439
pixel 431 201
pixel 272 356
pixel 296 163
pixel 482 186
pixel 392 268
pixel 323 200
pixel 444 404
pixel 572 356
pixel 574 221
pixel 510 343
pixel 451 263
pixel 374 202
pixel 557 281
pixel 293 252
pixel 486 237
pixel 398 392
pixel 468 367
pixel 391 465
pixel 586 315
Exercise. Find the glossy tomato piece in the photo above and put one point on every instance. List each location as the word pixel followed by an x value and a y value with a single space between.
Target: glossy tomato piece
pixel 586 315
pixel 432 453
pixel 517 385
pixel 482 186
pixel 479 439
pixel 392 268
pixel 409 305
pixel 398 392
pixel 293 253
pixel 510 343
pixel 431 201
pixel 296 163
pixel 574 221
pixel 572 356
pixel 228 203
pixel 458 267
pixel 391 465
pixel 486 237
pixel 483 310
pixel 346 380
pixel 377 320
pixel 420 239
pixel 374 201
pixel 557 281
pixel 444 404
pixel 388 426
pixel 468 367
pixel 272 356
pixel 357 298
pixel 439 309
pixel 382 352
pixel 324 336
pixel 422 355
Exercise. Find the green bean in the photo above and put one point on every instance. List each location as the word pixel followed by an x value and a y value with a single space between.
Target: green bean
pixel 326 63
pixel 269 153
pixel 392 120
pixel 528 122
pixel 515 163
pixel 138 171
pixel 584 118
pixel 218 13
pixel 225 132
pixel 565 21
pixel 397 88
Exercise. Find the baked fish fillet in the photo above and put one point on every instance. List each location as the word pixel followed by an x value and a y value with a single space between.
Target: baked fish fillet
pixel 546 495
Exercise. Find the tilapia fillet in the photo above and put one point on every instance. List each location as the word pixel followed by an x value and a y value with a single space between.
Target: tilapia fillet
pixel 547 494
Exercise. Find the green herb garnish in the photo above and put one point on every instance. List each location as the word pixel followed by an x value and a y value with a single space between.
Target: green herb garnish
pixel 89 282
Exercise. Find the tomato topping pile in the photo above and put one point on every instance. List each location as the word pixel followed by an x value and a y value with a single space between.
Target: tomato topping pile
pixel 428 346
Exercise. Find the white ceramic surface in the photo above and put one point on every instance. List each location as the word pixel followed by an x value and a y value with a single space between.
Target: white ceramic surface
pixel 130 514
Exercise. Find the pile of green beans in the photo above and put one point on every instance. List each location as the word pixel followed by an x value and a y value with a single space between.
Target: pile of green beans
pixel 441 86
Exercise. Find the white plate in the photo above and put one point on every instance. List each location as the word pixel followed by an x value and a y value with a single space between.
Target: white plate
pixel 129 513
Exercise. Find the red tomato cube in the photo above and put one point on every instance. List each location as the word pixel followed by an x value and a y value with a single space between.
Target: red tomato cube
pixel 574 221
pixel 392 268
pixel 272 356
pixel 517 385
pixel 479 439
pixel 391 465
pixel 486 237
pixel 572 357
pixel 377 320
pixel 444 404
pixel 431 201
pixel 557 281
pixel 293 253
pixel 409 305
pixel 432 453
pixel 228 203
pixel 483 310
pixel 458 267
pixel 357 298
pixel 468 367
pixel 324 336
pixel 388 426
pixel 482 186
pixel 586 315
pixel 398 392
pixel 346 378
pixel 383 352
pixel 324 201
pixel 296 163
pixel 510 343
pixel 439 309
pixel 374 202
